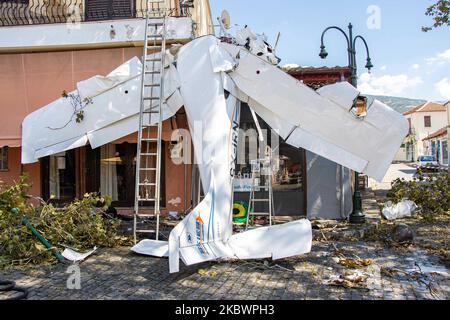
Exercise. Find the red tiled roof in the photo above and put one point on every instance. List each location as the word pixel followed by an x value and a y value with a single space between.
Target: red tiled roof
pixel 437 134
pixel 318 77
pixel 426 107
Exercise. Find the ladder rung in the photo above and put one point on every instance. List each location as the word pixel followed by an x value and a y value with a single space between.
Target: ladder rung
pixel 149 154
pixel 150 139
pixel 155 35
pixel 260 188
pixel 151 98
pixel 151 112
pixel 147 184
pixel 152 85
pixel 147 169
pixel 146 200
pixel 259 214
pixel 145 215
pixel 152 72
pixel 153 60
pixel 260 200
pixel 145 231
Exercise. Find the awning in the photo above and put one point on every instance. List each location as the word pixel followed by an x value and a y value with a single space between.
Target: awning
pixel 9 142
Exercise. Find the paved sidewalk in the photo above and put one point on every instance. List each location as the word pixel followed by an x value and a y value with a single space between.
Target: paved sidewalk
pixel 119 274
pixel 395 171
pixel 391 272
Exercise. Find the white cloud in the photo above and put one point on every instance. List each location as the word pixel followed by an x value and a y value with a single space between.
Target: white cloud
pixel 440 58
pixel 383 68
pixel 445 55
pixel 389 85
pixel 443 87
pixel 415 66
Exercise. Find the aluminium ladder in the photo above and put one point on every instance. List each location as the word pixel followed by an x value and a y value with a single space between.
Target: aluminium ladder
pixel 148 160
pixel 264 168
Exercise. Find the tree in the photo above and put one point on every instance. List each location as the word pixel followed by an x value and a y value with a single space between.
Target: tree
pixel 440 13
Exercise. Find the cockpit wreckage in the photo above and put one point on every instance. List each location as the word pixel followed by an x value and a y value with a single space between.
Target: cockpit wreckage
pixel 211 78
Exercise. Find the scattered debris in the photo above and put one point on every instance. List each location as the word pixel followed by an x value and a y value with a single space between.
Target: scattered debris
pixel 402 233
pixel 355 280
pixel 357 263
pixel 75 256
pixel 207 273
pixel 403 209
pixel 416 274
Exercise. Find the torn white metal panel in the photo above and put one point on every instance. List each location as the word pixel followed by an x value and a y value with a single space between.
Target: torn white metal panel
pixel 342 93
pixel 213 121
pixel 152 247
pixel 62 146
pixel 369 140
pixel 75 256
pixel 303 139
pixel 392 127
pixel 110 105
pixel 128 126
pixel 221 60
pixel 98 84
pixel 276 242
pixel 56 123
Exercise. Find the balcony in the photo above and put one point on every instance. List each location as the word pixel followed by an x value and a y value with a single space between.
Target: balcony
pixel 37 12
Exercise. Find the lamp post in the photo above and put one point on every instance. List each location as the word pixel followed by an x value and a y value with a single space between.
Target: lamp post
pixel 357 216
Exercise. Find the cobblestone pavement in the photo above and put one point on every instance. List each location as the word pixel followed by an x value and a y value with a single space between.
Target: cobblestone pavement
pixel 119 274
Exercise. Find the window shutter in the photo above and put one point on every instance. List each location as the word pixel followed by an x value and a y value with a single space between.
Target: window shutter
pixel 109 9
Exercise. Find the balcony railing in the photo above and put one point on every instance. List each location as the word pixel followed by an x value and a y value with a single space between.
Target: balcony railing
pixel 29 12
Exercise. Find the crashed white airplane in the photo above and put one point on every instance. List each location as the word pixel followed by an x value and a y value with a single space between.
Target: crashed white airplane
pixel 198 77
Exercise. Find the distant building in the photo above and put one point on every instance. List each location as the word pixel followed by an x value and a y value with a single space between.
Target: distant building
pixel 437 145
pixel 424 120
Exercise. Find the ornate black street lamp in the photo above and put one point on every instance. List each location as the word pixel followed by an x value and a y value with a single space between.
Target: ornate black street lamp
pixel 357 216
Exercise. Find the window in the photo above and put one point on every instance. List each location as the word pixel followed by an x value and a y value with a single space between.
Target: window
pixel 427 121
pixel 288 180
pixel 4 159
pixel 444 152
pixel 118 172
pixel 61 176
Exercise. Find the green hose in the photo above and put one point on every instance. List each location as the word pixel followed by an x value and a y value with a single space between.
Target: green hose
pixel 36 233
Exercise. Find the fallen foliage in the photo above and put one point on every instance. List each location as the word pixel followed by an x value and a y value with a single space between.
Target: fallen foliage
pixel 352 280
pixel 81 225
pixel 431 193
pixel 357 263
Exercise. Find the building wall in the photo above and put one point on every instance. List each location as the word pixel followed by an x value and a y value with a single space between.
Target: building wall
pixel 447 105
pixel 438 121
pixel 330 194
pixel 401 155
pixel 15 170
pixel 30 81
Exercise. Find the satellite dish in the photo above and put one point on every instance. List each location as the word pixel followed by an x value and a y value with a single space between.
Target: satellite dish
pixel 225 19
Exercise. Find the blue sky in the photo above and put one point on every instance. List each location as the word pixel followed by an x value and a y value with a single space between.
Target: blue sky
pixel 408 62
